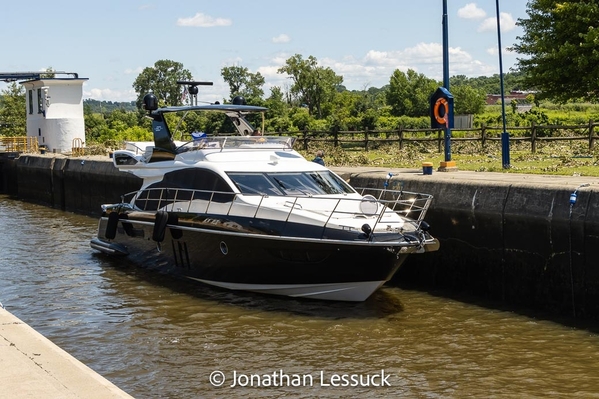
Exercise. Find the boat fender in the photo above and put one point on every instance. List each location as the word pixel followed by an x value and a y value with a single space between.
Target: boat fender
pixel 128 227
pixel 160 223
pixel 173 220
pixel 113 222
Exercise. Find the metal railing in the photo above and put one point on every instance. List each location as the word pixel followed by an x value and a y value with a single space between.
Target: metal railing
pixel 24 144
pixel 376 204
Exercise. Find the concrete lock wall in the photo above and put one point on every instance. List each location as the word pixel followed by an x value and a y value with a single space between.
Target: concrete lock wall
pixel 72 184
pixel 515 242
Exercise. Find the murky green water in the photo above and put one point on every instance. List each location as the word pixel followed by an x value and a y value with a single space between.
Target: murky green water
pixel 156 337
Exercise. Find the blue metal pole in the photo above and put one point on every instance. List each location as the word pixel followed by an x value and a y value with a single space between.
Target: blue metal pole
pixel 505 136
pixel 445 48
pixel 446 78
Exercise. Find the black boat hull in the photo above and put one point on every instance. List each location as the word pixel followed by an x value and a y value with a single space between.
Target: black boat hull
pixel 321 269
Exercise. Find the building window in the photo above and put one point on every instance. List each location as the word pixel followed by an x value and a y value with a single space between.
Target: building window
pixel 40 102
pixel 30 101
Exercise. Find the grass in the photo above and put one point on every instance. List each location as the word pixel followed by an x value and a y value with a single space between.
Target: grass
pixel 551 158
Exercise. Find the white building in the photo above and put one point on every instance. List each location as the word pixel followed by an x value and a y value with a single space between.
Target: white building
pixel 55 112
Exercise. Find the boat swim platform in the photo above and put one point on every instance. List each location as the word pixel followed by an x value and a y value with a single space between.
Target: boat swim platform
pixel 34 367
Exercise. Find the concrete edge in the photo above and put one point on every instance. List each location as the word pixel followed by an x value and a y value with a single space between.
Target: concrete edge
pixel 33 366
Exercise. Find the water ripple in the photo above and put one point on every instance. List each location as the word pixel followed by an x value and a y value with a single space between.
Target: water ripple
pixel 157 337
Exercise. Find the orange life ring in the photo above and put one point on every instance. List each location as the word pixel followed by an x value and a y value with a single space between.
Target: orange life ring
pixel 441 119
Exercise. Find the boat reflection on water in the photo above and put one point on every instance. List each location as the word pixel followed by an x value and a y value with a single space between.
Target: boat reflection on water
pixel 382 303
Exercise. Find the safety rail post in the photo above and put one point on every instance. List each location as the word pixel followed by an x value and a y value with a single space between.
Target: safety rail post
pixel 291 211
pixel 209 201
pixel 162 192
pixel 193 193
pixel 259 205
pixel 326 223
pixel 174 200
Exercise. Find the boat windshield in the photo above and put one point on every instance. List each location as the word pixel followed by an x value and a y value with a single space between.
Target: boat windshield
pixel 290 183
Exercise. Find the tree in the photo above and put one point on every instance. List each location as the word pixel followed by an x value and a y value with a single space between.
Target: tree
pixel 95 126
pixel 312 85
pixel 49 75
pixel 561 42
pixel 162 81
pixel 13 111
pixel 243 83
pixel 409 93
pixel 468 100
pixel 490 84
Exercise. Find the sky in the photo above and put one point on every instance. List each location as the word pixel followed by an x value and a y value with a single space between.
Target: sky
pixel 110 42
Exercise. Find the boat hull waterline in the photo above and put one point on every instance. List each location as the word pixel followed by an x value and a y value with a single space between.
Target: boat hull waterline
pixel 315 268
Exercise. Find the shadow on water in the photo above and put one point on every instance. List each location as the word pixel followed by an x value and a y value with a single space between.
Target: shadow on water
pixel 590 325
pixel 380 305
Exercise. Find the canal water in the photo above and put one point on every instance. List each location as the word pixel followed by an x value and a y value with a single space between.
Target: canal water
pixel 158 337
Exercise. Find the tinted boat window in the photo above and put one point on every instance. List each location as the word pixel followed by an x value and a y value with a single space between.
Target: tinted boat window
pixel 330 183
pixel 255 183
pixel 183 185
pixel 290 183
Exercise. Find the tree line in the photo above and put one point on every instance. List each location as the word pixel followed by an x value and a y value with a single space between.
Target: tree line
pixel 559 48
pixel 316 100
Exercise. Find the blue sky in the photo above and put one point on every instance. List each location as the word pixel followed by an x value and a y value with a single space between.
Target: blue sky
pixel 111 41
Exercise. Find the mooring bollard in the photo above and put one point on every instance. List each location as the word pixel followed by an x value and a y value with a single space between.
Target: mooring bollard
pixel 427 168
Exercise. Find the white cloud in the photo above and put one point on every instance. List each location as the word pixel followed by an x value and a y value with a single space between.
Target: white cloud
pixel 471 11
pixel 282 38
pixel 273 78
pixel 425 52
pixel 109 94
pixel 490 24
pixel 136 71
pixel 376 67
pixel 203 21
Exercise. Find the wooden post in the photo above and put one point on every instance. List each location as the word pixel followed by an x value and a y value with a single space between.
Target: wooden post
pixel 483 135
pixel 533 137
pixel 305 133
pixel 366 139
pixel 591 135
pixel 400 137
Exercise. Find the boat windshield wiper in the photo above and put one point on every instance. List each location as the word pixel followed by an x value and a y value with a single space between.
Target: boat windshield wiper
pixel 293 188
pixel 280 183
